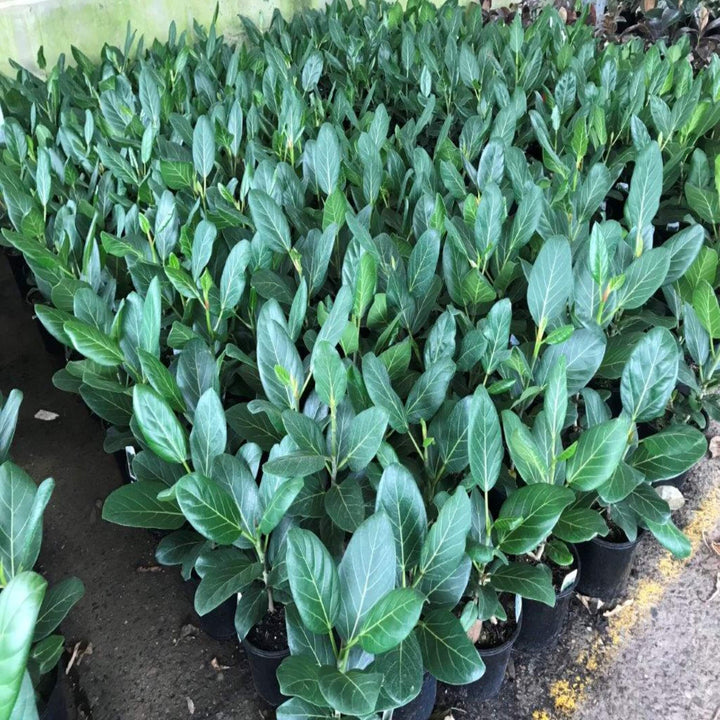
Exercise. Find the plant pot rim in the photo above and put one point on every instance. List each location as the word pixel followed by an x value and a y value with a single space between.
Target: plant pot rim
pixel 500 649
pixel 626 545
pixel 273 654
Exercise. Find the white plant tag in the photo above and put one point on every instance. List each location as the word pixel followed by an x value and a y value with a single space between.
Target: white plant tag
pixel 129 455
pixel 568 580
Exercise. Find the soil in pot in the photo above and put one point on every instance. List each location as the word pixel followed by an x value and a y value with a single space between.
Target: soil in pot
pixel 542 625
pixel 606 564
pixel 266 646
pixel 495 645
pixel 422 706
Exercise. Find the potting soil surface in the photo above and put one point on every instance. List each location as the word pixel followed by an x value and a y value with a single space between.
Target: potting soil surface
pixel 137 653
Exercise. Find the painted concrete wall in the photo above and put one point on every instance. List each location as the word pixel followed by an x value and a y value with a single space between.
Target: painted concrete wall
pixel 56 25
pixel 26 25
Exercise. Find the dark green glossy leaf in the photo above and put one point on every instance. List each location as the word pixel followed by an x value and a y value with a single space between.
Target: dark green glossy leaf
pixel 539 507
pixel 366 573
pixel 447 652
pixel 313 581
pixel 669 453
pixel 533 582
pixel 160 427
pixel 391 620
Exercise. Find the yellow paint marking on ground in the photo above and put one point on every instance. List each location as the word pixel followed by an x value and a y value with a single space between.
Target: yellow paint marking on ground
pixel 567 694
pixel 541 715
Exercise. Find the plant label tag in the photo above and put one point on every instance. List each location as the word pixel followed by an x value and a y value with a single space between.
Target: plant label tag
pixel 129 455
pixel 568 580
pixel 2 123
pixel 518 608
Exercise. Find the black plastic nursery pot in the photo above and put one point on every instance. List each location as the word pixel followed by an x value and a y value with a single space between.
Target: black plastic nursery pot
pixel 219 623
pixel 55 707
pixel 422 706
pixel 677 482
pixel 52 345
pixel 263 668
pixel 19 271
pixel 605 567
pixel 496 661
pixel 123 458
pixel 542 625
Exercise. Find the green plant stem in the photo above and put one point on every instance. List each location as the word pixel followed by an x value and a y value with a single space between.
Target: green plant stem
pixel 417 447
pixel 333 642
pixel 333 443
pixel 487 512
pixel 538 343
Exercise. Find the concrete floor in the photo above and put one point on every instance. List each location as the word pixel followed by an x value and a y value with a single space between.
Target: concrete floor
pixel 656 657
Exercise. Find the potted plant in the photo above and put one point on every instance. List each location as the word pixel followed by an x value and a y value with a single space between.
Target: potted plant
pixel 30 612
pixel 628 499
pixel 506 551
pixel 696 398
pixel 364 614
pixel 584 462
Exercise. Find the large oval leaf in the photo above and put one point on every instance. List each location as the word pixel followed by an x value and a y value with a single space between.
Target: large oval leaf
pixel 649 376
pixel 447 651
pixel 399 496
pixel 537 507
pixel 314 581
pixel 209 433
pixel 391 620
pixel 484 440
pixel 599 450
pixel 137 505
pixel 209 508
pixel 159 425
pixel 20 604
pixel 367 572
pixel 669 453
pixel 444 545
pixel 551 281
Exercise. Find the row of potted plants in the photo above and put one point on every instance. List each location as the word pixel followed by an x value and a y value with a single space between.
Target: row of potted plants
pixel 387 327
pixel 30 611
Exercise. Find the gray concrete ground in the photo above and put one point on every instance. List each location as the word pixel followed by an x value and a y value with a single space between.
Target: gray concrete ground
pixel 656 657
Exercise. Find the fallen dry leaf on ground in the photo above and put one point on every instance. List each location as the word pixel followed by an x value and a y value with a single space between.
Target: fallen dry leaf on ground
pixel 712 545
pixel 46 415
pixel 716 591
pixel 78 653
pixel 591 604
pixel 217 667
pixel 188 630
pixel 618 608
pixel 714 446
